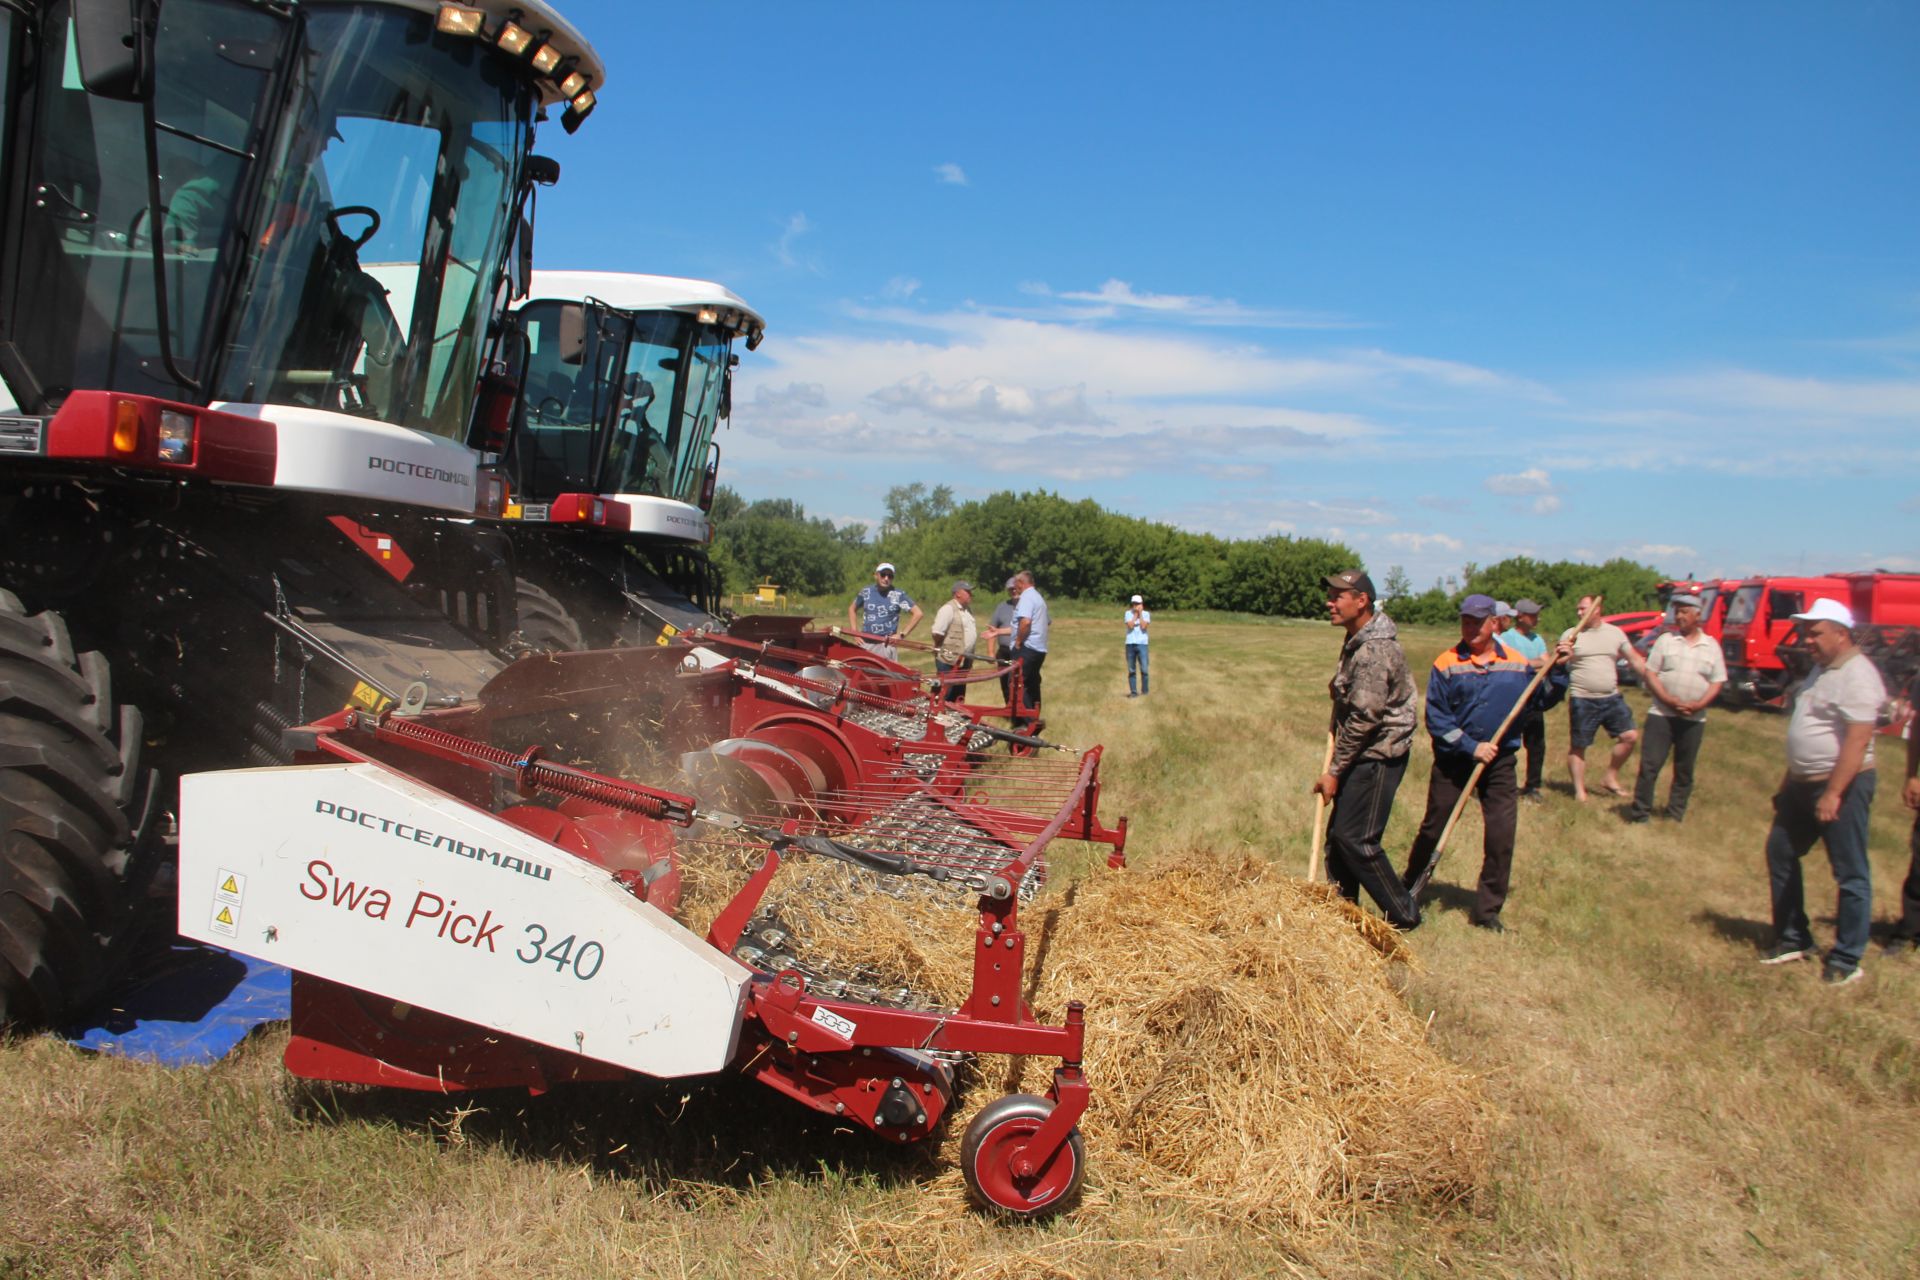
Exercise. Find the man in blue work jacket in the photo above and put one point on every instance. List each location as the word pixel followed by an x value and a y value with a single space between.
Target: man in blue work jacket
pixel 1470 690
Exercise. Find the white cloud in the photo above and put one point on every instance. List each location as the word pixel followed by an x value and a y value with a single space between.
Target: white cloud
pixel 984 400
pixel 795 395
pixel 784 249
pixel 1118 298
pixel 900 288
pixel 1419 543
pixel 1660 551
pixel 1546 504
pixel 1816 398
pixel 950 174
pixel 1532 480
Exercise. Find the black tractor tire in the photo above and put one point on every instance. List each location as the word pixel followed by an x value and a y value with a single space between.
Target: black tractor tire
pixel 76 823
pixel 546 625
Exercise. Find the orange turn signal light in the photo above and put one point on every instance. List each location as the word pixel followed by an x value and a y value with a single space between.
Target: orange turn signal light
pixel 126 426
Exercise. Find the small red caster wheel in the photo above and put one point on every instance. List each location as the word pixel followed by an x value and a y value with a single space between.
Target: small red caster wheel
pixel 987 1155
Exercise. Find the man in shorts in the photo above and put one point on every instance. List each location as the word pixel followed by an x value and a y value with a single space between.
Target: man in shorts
pixel 1596 702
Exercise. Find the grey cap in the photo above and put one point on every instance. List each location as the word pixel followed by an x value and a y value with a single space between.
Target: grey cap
pixel 963 585
pixel 1012 583
pixel 1525 605
pixel 1501 609
pixel 1685 599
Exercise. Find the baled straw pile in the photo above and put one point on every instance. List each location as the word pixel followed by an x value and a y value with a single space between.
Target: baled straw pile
pixel 1248 1052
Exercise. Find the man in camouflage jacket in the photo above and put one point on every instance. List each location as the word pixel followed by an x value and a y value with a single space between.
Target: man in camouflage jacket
pixel 1374 716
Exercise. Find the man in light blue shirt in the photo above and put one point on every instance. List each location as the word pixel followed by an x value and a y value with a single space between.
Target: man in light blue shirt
pixel 1031 624
pixel 1138 621
pixel 1525 639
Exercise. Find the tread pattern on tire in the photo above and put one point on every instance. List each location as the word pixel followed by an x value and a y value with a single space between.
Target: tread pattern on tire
pixel 546 625
pixel 76 816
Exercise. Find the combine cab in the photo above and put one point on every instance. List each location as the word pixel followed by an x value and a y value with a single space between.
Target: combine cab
pixel 1886 612
pixel 254 258
pixel 623 380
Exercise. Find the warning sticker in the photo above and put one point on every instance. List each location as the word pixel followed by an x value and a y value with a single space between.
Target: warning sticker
pixel 226 919
pixel 833 1022
pixel 667 633
pixel 368 698
pixel 231 888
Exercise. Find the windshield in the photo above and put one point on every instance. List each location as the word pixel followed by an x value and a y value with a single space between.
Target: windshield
pixel 649 383
pixel 675 370
pixel 375 270
pixel 570 353
pixel 1708 599
pixel 1746 601
pixel 84 304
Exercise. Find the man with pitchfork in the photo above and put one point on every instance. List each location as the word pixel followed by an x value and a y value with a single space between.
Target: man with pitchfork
pixel 1370 734
pixel 1473 694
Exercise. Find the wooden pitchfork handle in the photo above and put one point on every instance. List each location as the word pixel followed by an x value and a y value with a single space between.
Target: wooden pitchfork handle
pixel 1320 816
pixel 1480 766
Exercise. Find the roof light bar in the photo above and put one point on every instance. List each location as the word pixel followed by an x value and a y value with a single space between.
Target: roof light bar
pixel 572 84
pixel 545 59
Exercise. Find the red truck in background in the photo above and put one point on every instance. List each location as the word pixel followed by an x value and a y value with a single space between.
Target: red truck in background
pixel 1759 618
pixel 1886 616
pixel 1765 654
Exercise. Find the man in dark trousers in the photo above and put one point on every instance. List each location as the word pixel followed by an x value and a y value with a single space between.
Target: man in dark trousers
pixel 1906 933
pixel 1372 726
pixel 1525 637
pixel 1470 690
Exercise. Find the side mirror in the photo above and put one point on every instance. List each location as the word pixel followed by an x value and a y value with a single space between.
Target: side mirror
pixel 111 42
pixel 543 170
pixel 523 260
pixel 570 334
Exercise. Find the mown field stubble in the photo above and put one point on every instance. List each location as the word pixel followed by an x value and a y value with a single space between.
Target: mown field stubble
pixel 1662 1104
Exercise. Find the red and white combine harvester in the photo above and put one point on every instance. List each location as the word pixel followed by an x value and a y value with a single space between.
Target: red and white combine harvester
pixel 256 260
pixel 464 911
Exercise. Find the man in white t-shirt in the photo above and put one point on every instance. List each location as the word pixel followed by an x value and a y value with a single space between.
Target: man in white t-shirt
pixel 1138 622
pixel 1685 671
pixel 1826 793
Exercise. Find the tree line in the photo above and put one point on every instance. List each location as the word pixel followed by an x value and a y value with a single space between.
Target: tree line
pixel 1080 550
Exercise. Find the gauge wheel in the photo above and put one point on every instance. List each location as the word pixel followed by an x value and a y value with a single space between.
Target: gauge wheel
pixel 546 625
pixel 76 817
pixel 986 1160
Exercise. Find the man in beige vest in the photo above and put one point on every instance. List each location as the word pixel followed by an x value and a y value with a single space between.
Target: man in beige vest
pixel 954 635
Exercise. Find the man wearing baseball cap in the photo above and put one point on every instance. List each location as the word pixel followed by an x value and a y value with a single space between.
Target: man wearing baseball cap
pixel 1375 710
pixel 1000 628
pixel 1525 639
pixel 1470 690
pixel 954 635
pixel 875 610
pixel 1137 620
pixel 1685 671
pixel 1826 793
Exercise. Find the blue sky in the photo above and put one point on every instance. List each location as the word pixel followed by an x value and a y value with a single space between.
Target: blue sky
pixel 1449 282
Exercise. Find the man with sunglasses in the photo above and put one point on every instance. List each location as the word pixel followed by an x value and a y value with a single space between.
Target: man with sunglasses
pixel 876 611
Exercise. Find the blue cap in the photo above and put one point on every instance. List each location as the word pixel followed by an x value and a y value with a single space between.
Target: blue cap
pixel 1478 606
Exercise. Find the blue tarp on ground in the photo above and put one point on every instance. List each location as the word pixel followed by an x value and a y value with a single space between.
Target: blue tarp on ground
pixel 193 1007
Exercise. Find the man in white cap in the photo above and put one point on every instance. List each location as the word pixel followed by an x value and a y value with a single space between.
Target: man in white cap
pixel 875 610
pixel 954 635
pixel 1685 672
pixel 1137 620
pixel 1826 793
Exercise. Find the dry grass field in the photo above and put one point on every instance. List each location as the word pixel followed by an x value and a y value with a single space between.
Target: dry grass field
pixel 1663 1105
